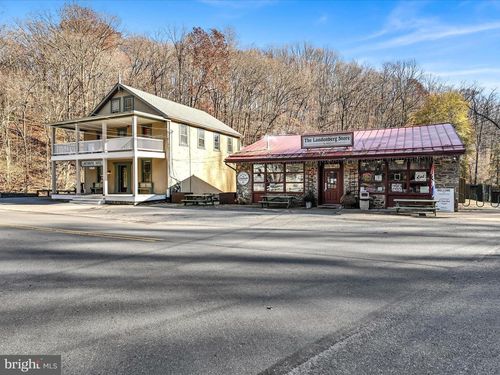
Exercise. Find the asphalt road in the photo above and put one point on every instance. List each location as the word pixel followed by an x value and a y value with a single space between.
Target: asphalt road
pixel 156 290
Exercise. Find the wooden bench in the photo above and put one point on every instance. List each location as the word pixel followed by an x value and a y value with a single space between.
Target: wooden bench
pixel 278 200
pixel 416 205
pixel 197 199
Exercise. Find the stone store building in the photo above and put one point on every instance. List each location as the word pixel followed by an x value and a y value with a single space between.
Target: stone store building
pixel 388 163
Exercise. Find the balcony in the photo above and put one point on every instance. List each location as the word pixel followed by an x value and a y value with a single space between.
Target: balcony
pixel 111 145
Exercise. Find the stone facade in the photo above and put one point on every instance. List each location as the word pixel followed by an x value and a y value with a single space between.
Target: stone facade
pixel 244 192
pixel 351 177
pixel 447 173
pixel 311 176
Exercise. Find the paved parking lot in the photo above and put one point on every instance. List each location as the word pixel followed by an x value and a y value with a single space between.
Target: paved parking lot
pixel 238 290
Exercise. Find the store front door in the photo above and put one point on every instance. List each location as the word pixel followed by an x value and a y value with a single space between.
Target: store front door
pixel 333 183
pixel 123 178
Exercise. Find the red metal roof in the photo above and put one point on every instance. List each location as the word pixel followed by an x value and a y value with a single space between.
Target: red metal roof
pixel 413 141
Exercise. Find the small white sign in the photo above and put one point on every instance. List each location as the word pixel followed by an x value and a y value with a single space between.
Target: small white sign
pixel 328 140
pixel 445 199
pixel 91 163
pixel 397 188
pixel 243 178
pixel 420 176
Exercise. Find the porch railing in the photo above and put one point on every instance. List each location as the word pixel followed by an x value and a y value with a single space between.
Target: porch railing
pixel 120 144
pixel 65 148
pixel 149 144
pixel 90 146
pixel 113 144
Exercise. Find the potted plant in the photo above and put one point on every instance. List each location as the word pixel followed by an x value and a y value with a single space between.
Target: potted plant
pixel 309 199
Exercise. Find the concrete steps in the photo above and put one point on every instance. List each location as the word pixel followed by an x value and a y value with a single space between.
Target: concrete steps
pixel 89 199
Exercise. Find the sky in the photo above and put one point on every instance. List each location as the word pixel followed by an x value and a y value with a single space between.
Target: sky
pixel 457 41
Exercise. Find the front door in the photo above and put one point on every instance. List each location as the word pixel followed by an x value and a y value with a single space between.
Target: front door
pixel 123 178
pixel 332 185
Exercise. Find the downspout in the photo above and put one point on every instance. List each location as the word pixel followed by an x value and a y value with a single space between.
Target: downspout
pixel 169 155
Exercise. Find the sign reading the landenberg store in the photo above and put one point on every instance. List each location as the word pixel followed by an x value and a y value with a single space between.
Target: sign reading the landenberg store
pixel 328 140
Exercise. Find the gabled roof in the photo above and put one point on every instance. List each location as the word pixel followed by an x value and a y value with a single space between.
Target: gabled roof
pixel 396 142
pixel 172 110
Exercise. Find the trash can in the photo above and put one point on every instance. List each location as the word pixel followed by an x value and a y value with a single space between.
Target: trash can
pixel 364 200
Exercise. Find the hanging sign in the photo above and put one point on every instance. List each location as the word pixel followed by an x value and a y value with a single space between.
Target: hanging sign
pixel 327 140
pixel 445 199
pixel 243 178
pixel 91 163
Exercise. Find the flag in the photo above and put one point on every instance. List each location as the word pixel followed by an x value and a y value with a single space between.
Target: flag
pixel 433 182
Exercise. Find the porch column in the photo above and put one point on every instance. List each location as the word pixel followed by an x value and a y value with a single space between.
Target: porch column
pixel 78 179
pixel 77 135
pixel 105 176
pixel 135 165
pixel 54 166
pixel 104 138
pixel 54 177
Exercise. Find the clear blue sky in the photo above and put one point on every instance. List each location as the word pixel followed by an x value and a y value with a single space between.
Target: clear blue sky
pixel 456 40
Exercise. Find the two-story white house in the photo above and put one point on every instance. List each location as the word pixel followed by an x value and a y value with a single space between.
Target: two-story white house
pixel 135 147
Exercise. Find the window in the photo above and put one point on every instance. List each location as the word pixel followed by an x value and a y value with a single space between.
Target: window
pixel 121 132
pixel 278 177
pixel 216 142
pixel 372 176
pixel 115 105
pixel 410 176
pixel 128 103
pixel 229 144
pixel 147 131
pixel 183 135
pixel 147 170
pixel 201 138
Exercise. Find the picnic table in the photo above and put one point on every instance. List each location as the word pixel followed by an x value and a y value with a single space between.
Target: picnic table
pixel 278 200
pixel 417 205
pixel 197 199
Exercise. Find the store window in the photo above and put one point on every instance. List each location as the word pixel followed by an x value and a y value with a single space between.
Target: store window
pixel 372 176
pixel 278 177
pixel 410 176
pixel 147 170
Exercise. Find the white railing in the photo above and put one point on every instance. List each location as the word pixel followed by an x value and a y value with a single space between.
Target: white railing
pixel 65 148
pixel 149 144
pixel 90 146
pixel 113 144
pixel 120 144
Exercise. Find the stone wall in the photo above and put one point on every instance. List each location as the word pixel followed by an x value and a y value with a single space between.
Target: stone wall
pixel 351 177
pixel 244 193
pixel 311 176
pixel 447 173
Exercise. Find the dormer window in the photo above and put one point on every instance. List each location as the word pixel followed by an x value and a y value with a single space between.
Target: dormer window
pixel 115 105
pixel 128 103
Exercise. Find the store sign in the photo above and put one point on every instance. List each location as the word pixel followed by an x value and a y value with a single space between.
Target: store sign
pixel 243 178
pixel 445 199
pixel 397 188
pixel 91 163
pixel 328 140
